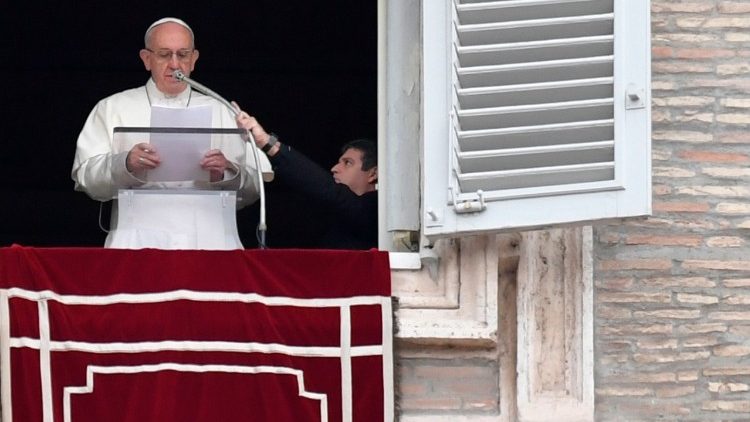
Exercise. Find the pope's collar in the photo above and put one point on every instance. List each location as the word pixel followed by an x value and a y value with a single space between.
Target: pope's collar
pixel 157 97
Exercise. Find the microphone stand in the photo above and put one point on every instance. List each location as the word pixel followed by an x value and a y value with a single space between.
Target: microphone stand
pixel 262 228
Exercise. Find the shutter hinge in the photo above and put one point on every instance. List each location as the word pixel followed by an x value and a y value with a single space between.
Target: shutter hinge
pixel 470 205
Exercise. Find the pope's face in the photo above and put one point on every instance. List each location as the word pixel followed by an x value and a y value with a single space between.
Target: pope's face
pixel 169 48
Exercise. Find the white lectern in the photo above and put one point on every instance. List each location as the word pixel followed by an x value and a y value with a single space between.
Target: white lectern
pixel 176 206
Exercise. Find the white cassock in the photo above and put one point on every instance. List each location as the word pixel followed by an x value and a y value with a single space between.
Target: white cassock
pixel 178 221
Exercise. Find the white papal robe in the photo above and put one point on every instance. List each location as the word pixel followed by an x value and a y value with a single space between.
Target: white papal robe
pixel 177 222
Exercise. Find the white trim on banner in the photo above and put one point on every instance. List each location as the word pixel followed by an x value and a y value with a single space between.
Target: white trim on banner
pixel 45 367
pixel 192 295
pixel 195 346
pixel 168 366
pixel 387 353
pixel 346 364
pixel 5 391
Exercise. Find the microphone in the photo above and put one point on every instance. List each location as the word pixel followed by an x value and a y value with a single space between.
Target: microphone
pixel 180 76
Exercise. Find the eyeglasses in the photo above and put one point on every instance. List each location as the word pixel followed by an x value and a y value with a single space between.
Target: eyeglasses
pixel 165 54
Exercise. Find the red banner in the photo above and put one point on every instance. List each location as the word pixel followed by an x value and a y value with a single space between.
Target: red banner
pixel 120 335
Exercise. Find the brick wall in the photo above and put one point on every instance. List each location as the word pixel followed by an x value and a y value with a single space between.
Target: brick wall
pixel 449 382
pixel 672 304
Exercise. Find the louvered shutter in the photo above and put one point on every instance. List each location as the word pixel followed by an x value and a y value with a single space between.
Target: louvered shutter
pixel 535 113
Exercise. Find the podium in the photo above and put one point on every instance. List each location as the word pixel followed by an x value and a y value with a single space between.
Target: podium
pixel 175 206
pixel 146 218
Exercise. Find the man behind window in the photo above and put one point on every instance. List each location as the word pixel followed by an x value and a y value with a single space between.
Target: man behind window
pixel 348 193
pixel 100 172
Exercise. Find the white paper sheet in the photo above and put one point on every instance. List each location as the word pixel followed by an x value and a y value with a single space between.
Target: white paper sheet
pixel 199 116
pixel 180 153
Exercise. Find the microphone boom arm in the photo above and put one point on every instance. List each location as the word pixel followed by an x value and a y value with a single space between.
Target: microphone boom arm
pixel 180 76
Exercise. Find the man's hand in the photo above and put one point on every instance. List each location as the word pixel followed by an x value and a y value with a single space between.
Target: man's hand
pixel 246 121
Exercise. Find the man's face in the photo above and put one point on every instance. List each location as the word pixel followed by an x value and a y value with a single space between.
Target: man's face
pixel 349 172
pixel 170 48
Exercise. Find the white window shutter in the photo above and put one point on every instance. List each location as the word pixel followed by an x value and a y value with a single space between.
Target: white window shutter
pixel 535 113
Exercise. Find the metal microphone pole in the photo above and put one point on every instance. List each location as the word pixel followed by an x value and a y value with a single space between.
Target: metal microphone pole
pixel 262 228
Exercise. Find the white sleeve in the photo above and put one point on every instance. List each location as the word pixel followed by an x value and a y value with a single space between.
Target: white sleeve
pixel 96 170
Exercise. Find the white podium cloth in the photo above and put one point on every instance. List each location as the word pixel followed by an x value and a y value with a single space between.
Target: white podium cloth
pixel 174 219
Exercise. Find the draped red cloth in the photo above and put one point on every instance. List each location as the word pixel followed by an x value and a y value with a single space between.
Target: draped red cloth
pixel 89 334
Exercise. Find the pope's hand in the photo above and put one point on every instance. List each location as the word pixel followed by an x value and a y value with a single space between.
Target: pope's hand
pixel 142 157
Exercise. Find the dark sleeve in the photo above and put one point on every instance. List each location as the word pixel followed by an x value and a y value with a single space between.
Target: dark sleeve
pixel 295 169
